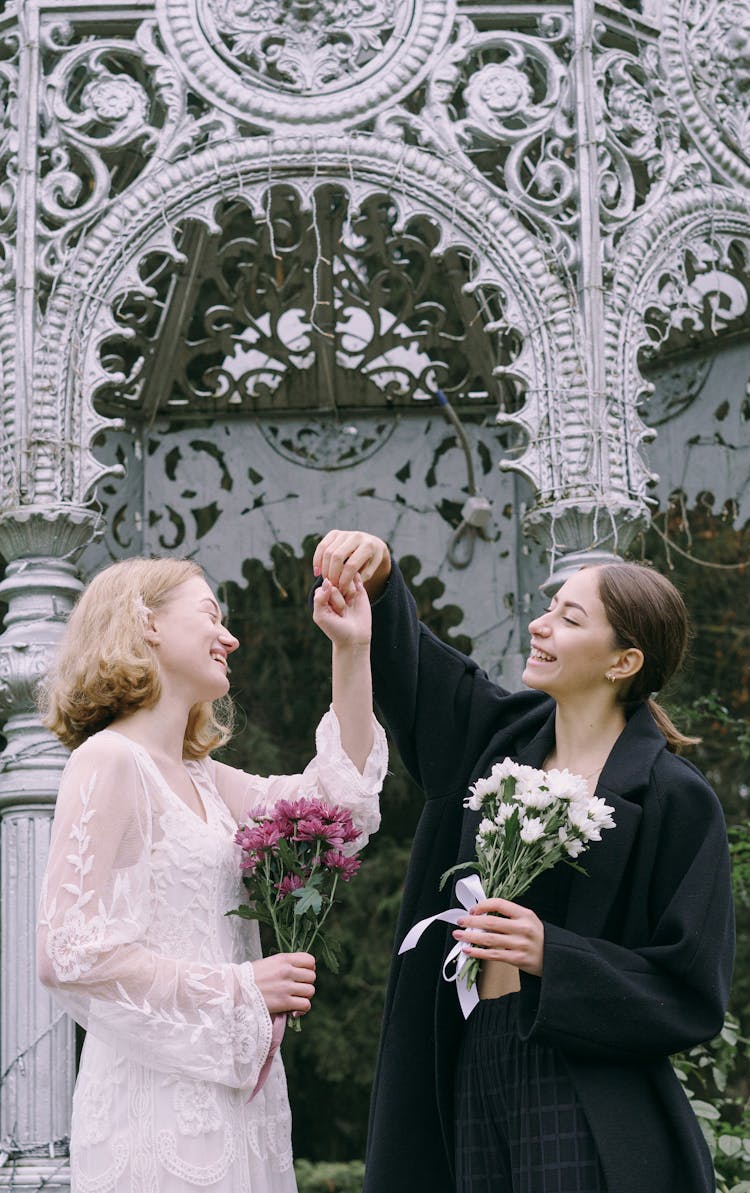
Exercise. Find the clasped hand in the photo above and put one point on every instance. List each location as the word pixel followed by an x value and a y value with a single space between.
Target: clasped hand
pixel 344 617
pixel 498 930
pixel 286 981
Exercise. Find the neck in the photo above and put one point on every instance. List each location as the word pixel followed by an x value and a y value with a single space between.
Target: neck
pixel 585 734
pixel 159 729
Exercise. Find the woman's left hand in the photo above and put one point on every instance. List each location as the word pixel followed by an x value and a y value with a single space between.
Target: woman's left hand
pixel 346 620
pixel 498 930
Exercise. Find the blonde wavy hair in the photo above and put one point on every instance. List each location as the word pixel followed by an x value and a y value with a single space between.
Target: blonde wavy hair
pixel 105 668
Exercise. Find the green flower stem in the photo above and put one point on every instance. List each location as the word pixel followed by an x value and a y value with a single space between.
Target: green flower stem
pixel 270 902
pixel 324 916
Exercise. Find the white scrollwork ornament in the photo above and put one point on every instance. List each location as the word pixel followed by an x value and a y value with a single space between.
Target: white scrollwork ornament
pixel 346 59
pixel 301 45
pixel 638 150
pixel 705 47
pixel 500 103
pixel 8 148
pixel 102 97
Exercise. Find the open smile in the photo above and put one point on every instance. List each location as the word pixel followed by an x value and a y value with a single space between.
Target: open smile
pixel 540 656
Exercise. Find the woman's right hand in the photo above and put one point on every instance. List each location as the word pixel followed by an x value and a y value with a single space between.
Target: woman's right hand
pixel 344 553
pixel 286 981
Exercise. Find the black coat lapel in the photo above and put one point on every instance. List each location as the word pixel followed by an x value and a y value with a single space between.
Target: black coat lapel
pixel 622 783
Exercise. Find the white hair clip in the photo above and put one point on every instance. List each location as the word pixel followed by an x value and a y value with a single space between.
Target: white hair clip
pixel 142 609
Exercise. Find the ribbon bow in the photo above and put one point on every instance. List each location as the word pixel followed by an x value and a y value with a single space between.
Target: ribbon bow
pixel 469 891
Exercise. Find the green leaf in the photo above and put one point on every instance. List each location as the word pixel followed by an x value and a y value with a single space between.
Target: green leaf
pixel 575 866
pixel 705 1110
pixel 730 1145
pixel 289 858
pixel 308 899
pixel 246 912
pixel 328 953
pixel 454 870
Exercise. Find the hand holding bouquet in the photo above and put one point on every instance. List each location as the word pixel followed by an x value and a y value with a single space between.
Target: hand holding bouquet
pixel 292 861
pixel 531 820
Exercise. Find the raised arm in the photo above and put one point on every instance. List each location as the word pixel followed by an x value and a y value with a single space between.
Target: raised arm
pixel 440 708
pixel 347 621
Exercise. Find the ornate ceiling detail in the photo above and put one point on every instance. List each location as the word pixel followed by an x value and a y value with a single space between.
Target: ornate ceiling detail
pixel 298 46
pixel 282 63
pixel 306 312
pixel 520 162
pixel 526 301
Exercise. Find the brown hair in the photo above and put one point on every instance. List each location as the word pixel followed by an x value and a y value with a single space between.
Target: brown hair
pixel 105 668
pixel 646 611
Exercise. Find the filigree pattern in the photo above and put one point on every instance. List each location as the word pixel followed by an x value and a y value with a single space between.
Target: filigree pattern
pixel 706 51
pixel 348 58
pixel 682 278
pixel 8 147
pixel 718 45
pixel 639 145
pixel 702 291
pixel 111 110
pixel 340 312
pixel 300 46
pixel 501 101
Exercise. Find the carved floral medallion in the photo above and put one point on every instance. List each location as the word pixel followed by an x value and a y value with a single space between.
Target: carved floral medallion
pixel 299 62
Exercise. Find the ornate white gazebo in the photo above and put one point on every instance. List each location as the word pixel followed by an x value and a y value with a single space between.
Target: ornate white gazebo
pixel 296 262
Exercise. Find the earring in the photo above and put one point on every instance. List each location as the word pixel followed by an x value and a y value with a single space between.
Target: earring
pixel 610 677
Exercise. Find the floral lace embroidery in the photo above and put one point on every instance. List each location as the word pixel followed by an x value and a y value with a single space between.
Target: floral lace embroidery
pixel 74 947
pixel 195 1174
pixel 106 1181
pixel 133 922
pixel 196 1108
pixel 93 1109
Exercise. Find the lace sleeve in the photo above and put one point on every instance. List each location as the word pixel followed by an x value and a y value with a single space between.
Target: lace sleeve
pixel 331 775
pixel 206 1021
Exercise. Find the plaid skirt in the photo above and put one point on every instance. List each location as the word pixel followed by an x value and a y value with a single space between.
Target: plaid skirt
pixel 519 1125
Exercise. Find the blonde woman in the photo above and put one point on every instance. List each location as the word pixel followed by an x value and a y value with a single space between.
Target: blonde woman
pixel 133 937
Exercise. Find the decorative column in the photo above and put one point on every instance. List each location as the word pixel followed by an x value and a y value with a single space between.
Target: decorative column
pixel 590 517
pixel 37 1047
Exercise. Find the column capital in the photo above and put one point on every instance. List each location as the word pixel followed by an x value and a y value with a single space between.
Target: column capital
pixel 584 531
pixel 31 531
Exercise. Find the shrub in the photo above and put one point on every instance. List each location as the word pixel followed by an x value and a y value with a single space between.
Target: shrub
pixel 329 1178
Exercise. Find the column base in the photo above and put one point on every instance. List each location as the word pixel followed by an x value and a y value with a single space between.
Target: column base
pixel 49 1175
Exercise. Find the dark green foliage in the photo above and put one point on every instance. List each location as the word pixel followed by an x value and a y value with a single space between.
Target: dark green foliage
pixel 721 1105
pixel 711 699
pixel 329 1178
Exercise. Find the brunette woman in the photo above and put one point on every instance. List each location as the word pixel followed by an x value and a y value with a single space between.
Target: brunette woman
pixel 134 940
pixel 560 1080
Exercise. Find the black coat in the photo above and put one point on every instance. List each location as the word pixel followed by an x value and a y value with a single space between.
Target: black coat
pixel 637 964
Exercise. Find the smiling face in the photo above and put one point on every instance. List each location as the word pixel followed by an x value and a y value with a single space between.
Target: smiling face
pixel 190 642
pixel 572 644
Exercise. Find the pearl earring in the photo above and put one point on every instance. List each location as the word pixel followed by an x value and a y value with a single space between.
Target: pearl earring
pixel 610 677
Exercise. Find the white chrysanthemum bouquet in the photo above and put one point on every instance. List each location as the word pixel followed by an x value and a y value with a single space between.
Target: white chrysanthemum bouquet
pixel 531 820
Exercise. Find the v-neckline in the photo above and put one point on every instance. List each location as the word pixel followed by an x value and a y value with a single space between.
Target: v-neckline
pixel 204 819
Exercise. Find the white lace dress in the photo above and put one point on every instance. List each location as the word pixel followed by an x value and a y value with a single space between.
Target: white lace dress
pixel 134 941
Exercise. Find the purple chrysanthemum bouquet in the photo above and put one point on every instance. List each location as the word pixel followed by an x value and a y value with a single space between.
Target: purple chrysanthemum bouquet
pixel 293 858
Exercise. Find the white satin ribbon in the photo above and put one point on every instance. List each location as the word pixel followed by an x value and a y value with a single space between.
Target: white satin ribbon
pixel 469 891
